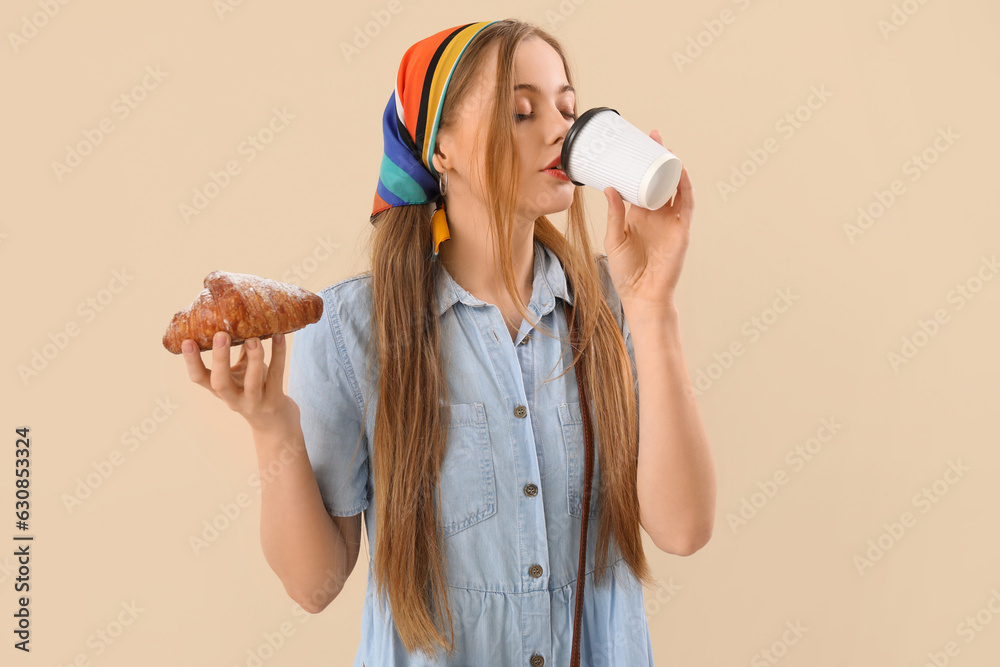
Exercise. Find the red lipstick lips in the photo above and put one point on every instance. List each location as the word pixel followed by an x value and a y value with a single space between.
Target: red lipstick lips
pixel 553 171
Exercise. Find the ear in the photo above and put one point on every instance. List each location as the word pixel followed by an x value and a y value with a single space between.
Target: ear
pixel 439 160
pixel 442 150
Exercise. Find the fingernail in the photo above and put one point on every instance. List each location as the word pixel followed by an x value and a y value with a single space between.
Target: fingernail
pixel 252 343
pixel 220 339
pixel 278 338
pixel 187 347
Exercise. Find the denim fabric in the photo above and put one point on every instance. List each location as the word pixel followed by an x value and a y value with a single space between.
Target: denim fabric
pixel 493 530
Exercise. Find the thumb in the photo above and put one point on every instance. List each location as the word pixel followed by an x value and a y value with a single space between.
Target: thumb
pixel 615 234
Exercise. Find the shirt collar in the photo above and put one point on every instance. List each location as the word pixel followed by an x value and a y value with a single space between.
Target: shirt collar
pixel 549 281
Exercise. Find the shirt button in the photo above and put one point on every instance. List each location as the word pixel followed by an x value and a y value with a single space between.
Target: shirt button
pixel 530 490
pixel 525 339
pixel 537 660
pixel 535 571
pixel 520 411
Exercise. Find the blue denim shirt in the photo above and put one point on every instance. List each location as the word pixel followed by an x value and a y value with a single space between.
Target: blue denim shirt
pixel 495 526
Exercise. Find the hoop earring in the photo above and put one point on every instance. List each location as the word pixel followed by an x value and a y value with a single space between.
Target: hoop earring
pixel 443 183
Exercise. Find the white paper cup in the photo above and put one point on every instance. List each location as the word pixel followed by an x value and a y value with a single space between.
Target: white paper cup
pixel 601 148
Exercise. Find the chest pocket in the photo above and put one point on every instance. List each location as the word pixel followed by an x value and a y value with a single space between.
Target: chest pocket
pixel 571 421
pixel 468 491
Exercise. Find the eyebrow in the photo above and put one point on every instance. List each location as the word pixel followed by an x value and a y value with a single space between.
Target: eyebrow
pixel 533 88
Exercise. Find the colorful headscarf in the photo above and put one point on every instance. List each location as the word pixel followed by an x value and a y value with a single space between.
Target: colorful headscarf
pixel 410 123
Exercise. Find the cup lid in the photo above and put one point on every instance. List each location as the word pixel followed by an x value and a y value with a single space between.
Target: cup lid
pixel 571 136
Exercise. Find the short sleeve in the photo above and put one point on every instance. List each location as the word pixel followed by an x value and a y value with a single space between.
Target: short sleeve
pixel 322 383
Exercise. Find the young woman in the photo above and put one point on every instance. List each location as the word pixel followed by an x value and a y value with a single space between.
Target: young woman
pixel 438 394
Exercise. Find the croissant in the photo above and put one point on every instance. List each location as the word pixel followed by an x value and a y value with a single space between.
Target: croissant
pixel 244 306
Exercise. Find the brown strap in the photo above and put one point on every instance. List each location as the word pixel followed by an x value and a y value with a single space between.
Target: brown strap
pixel 588 475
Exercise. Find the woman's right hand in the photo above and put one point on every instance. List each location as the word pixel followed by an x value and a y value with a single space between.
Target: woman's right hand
pixel 251 387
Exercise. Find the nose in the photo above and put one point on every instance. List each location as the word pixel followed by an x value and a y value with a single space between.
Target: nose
pixel 556 125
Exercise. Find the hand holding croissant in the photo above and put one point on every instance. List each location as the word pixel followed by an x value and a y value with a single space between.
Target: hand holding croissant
pixel 244 309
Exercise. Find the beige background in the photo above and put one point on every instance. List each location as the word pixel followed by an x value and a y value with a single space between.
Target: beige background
pixel 302 204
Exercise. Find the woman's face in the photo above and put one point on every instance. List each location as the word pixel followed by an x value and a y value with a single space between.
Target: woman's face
pixel 545 111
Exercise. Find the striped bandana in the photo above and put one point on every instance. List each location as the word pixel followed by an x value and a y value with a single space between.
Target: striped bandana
pixel 407 175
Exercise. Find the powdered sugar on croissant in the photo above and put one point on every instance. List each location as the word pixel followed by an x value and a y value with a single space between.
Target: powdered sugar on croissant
pixel 244 306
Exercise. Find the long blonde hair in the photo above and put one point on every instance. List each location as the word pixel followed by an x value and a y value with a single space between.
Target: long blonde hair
pixel 410 430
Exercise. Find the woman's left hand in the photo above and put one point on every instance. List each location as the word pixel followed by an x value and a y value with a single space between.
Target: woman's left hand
pixel 646 248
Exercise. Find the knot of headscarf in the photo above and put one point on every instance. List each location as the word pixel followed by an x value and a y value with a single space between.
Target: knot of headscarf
pixel 410 122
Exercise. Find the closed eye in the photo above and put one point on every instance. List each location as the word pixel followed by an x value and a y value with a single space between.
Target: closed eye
pixel 524 116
